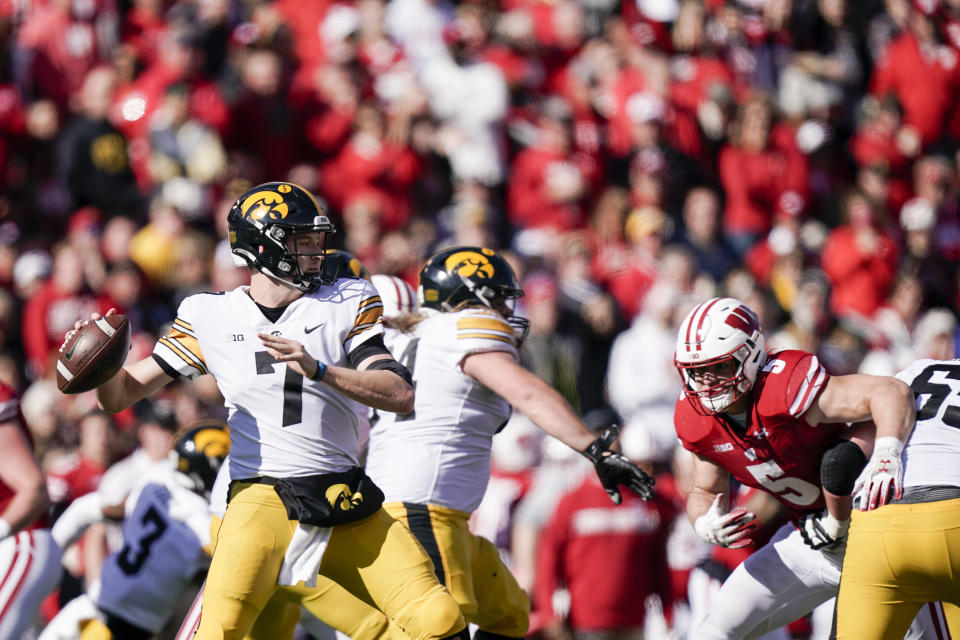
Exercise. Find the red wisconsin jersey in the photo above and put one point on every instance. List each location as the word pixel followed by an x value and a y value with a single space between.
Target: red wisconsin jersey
pixel 780 452
pixel 10 414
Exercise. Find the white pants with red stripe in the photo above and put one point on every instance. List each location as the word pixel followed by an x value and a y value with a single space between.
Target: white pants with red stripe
pixel 782 581
pixel 29 570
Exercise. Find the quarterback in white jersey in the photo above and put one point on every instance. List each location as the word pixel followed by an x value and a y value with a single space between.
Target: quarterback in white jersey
pixel 166 538
pixel 289 353
pixel 904 557
pixel 433 463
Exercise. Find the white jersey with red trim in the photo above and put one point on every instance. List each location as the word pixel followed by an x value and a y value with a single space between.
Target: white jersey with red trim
pixel 931 454
pixel 281 424
pixel 440 452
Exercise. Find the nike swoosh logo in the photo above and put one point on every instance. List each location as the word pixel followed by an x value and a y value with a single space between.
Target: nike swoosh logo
pixel 312 329
pixel 69 354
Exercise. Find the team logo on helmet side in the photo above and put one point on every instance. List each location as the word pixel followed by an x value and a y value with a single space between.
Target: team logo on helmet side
pixel 340 497
pixel 213 442
pixel 266 204
pixel 470 264
pixel 744 319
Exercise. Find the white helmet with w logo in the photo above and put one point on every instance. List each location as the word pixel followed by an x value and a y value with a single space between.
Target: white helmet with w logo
pixel 717 331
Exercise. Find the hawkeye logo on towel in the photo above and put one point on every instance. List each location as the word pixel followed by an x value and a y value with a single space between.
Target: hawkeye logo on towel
pixel 266 204
pixel 468 264
pixel 340 497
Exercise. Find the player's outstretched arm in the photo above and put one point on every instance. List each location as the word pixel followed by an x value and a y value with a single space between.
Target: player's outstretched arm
pixel 708 508
pixel 132 383
pixel 19 471
pixel 547 409
pixel 889 402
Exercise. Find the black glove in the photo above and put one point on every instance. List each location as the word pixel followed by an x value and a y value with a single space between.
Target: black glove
pixel 613 469
pixel 820 530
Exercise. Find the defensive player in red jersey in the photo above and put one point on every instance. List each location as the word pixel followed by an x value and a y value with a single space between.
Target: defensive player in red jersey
pixel 29 558
pixel 779 422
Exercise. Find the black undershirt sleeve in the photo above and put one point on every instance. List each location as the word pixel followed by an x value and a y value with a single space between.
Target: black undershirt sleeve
pixel 374 347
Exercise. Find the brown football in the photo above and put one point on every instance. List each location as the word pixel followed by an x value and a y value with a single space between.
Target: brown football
pixel 93 354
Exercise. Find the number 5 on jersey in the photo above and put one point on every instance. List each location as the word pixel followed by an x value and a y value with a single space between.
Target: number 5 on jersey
pixel 793 490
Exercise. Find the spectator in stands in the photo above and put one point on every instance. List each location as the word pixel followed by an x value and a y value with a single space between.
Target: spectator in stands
pixel 860 258
pixel 923 258
pixel 758 164
pixel 55 307
pixel 93 154
pixel 647 229
pixel 701 233
pixel 920 71
pixel 626 545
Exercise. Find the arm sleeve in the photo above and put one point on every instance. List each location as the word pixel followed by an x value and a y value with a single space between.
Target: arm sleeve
pixel 479 331
pixel 805 380
pixel 368 322
pixel 82 512
pixel 178 352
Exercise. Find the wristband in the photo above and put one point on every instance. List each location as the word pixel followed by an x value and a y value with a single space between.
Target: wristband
pixel 4 528
pixel 889 442
pixel 320 372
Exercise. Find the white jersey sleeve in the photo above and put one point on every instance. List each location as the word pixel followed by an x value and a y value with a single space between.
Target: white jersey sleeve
pixel 931 452
pixel 440 452
pixel 179 353
pixel 281 424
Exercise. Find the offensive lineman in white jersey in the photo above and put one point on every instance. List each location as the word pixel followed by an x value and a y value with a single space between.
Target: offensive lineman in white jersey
pixel 287 352
pixel 166 538
pixel 905 556
pixel 433 463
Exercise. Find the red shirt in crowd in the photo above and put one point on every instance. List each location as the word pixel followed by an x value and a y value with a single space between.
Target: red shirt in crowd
pixel 753 180
pixel 10 416
pixel 861 277
pixel 529 203
pixel 924 79
pixel 47 317
pixel 609 557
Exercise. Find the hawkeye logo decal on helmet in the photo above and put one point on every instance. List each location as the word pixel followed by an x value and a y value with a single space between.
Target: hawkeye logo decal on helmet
pixel 340 497
pixel 212 442
pixel 266 204
pixel 469 264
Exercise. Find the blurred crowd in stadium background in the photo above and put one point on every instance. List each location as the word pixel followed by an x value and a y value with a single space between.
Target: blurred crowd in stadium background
pixel 631 158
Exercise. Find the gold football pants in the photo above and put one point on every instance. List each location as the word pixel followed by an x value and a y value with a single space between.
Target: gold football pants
pixel 898 558
pixel 470 566
pixel 328 601
pixel 375 559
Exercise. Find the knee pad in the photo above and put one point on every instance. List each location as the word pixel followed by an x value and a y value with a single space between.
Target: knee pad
pixel 840 465
pixel 441 617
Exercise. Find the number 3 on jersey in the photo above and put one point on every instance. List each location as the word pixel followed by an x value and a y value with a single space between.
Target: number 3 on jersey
pixel 793 490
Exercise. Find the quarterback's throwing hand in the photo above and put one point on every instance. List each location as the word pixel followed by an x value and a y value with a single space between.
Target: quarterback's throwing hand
pixel 289 351
pixel 613 469
pixel 726 529
pixel 883 472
